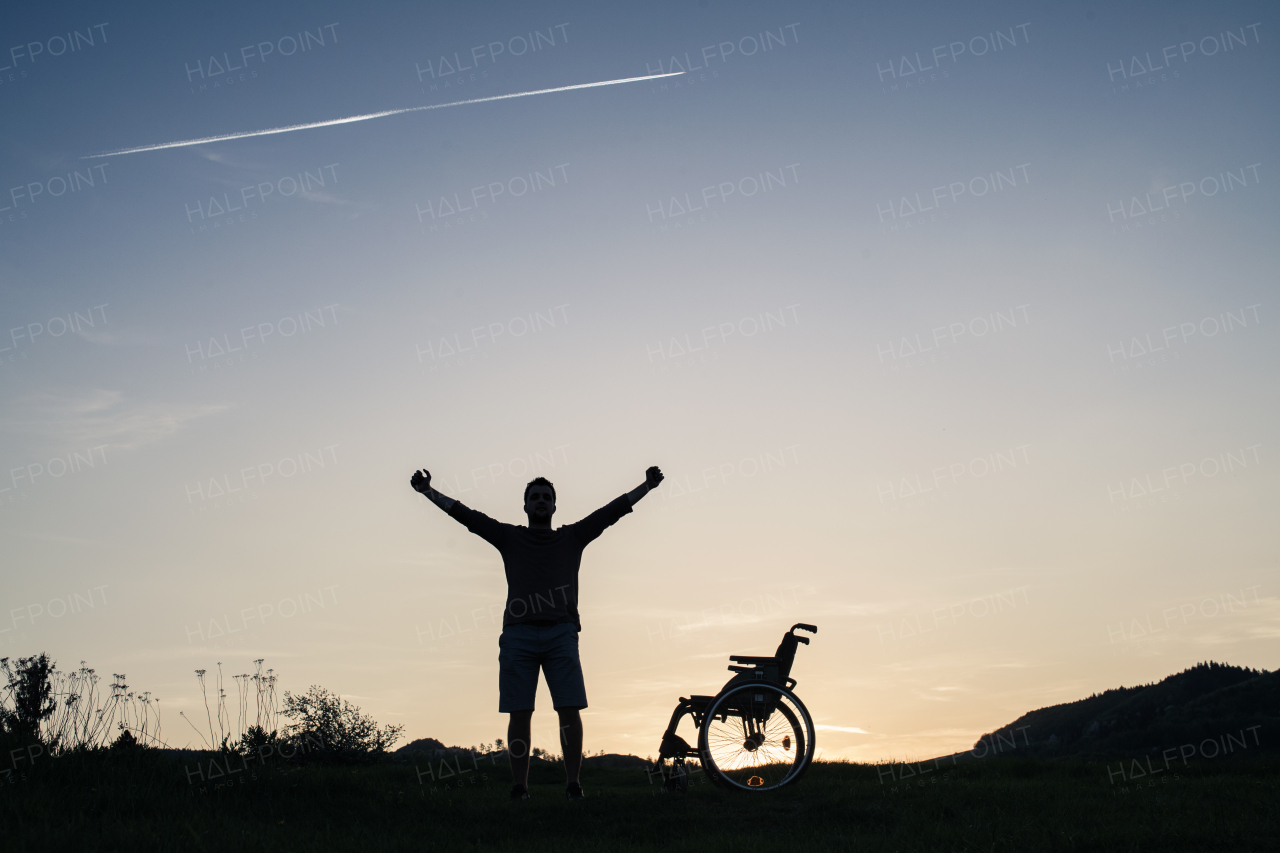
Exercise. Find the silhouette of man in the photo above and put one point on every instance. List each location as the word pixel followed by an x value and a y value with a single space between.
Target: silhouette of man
pixel 540 624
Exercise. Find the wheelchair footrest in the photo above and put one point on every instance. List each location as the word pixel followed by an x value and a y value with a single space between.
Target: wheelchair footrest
pixel 675 746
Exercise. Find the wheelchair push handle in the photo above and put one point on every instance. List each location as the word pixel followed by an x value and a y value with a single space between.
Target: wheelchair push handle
pixel 800 626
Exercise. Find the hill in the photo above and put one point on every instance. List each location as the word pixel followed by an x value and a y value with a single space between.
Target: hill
pixel 1207 702
pixel 430 749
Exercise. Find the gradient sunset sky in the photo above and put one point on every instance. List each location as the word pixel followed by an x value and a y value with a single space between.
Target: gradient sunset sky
pixel 953 330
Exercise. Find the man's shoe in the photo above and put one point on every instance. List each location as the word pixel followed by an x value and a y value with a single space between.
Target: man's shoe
pixel 574 792
pixel 519 792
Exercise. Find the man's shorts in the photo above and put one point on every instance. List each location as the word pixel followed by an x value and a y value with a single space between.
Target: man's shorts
pixel 523 648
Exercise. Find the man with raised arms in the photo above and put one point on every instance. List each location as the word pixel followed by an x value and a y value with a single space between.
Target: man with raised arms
pixel 540 624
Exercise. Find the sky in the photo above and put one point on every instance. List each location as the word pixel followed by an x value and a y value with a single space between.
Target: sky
pixel 951 328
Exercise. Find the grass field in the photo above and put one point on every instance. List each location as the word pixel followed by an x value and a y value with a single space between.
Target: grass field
pixel 145 800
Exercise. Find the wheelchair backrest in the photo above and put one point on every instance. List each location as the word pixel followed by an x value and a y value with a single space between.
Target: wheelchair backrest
pixel 786 654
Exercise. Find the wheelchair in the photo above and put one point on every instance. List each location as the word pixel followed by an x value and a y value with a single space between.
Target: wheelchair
pixel 754 735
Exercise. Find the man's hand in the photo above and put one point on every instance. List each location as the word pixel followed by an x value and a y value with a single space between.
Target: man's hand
pixel 421 482
pixel 652 478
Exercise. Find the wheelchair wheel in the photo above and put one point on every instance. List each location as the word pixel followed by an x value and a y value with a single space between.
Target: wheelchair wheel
pixel 756 737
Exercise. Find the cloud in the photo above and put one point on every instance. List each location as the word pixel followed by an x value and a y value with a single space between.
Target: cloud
pixel 931 697
pixel 323 198
pixel 47 537
pixel 185 143
pixel 850 609
pixel 121 337
pixel 102 337
pixel 103 417
pixel 225 158
pixel 853 729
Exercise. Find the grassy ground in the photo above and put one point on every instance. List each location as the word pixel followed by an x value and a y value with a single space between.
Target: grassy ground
pixel 147 801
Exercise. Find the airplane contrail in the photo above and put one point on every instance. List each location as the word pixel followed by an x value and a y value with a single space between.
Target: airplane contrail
pixel 349 119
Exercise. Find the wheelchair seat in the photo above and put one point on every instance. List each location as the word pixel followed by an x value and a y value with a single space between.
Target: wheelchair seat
pixel 781 662
pixel 700 703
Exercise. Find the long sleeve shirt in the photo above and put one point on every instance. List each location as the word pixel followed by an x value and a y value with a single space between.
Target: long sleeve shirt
pixel 541 565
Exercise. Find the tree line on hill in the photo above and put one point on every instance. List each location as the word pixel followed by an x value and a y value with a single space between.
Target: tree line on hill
pixel 1206 702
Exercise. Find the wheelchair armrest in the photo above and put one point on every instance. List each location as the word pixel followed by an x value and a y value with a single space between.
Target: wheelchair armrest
pixel 748 659
pixel 733 668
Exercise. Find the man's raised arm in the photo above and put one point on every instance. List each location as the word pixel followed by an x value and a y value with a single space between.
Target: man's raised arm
pixel 421 482
pixel 477 522
pixel 593 525
pixel 652 478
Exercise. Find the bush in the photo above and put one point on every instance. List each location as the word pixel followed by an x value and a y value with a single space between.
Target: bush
pixel 343 733
pixel 259 741
pixel 25 702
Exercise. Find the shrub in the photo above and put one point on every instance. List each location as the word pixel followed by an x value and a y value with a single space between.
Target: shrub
pixel 25 702
pixel 259 741
pixel 343 732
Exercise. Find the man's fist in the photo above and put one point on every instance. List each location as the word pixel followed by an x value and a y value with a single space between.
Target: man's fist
pixel 653 477
pixel 421 481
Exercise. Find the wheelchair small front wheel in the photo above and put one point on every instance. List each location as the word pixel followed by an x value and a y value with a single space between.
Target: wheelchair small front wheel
pixel 756 737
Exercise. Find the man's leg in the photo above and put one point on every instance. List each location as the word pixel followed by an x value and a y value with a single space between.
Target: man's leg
pixel 569 695
pixel 518 737
pixel 517 686
pixel 571 743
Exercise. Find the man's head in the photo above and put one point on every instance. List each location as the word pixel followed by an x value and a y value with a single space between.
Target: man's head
pixel 540 500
